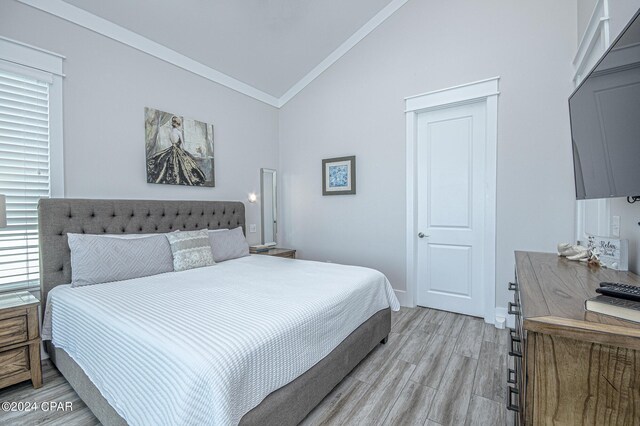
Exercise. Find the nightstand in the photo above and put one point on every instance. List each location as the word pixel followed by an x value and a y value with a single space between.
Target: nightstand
pixel 19 339
pixel 280 252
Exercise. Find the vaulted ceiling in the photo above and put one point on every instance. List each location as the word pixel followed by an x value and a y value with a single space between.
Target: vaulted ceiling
pixel 268 44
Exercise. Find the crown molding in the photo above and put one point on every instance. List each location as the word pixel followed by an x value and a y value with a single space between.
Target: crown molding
pixel 101 26
pixel 364 31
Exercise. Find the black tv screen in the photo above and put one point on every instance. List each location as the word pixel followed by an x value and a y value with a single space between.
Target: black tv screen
pixel 605 122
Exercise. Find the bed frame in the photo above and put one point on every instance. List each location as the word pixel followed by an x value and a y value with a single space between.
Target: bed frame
pixel 57 217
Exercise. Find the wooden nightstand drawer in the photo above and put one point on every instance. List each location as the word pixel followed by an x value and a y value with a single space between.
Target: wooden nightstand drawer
pixel 289 255
pixel 279 252
pixel 19 339
pixel 13 330
pixel 14 361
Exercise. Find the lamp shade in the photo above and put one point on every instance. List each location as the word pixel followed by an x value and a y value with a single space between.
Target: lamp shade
pixel 3 211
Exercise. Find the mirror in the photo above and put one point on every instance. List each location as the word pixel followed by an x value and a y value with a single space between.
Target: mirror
pixel 268 201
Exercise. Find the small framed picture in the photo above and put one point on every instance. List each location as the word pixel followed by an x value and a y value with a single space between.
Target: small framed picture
pixel 339 176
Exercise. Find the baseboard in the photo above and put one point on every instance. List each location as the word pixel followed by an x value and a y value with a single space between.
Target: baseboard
pixel 499 312
pixel 403 298
pixel 502 313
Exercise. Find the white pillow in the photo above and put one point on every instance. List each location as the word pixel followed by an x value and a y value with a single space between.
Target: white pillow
pixel 228 244
pixel 105 258
pixel 128 236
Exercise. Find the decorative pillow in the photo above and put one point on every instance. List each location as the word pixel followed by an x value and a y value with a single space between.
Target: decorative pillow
pixel 228 244
pixel 99 259
pixel 191 249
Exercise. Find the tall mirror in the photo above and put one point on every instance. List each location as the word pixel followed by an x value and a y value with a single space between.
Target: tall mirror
pixel 268 200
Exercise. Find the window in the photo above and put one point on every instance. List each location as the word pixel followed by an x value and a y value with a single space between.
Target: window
pixel 24 174
pixel 30 130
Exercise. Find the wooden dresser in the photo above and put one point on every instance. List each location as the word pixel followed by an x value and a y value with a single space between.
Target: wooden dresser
pixel 19 339
pixel 570 366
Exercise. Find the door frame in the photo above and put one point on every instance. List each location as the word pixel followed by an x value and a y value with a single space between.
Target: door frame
pixel 483 91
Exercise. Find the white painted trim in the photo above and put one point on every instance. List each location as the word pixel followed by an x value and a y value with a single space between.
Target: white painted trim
pixel 21 53
pixel 604 215
pixel 490 209
pixel 115 32
pixel 480 91
pixel 56 138
pixel 402 297
pixel 32 47
pixel 47 66
pixel 457 94
pixel 333 57
pixel 43 76
pixel 597 29
pixel 503 313
pixel 411 170
pixel 579 217
pixel 601 209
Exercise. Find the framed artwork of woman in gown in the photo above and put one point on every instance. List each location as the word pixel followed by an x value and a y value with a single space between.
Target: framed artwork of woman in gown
pixel 179 150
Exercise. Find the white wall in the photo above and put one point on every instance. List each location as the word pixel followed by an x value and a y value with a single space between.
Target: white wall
pixel 585 10
pixel 620 13
pixel 356 108
pixel 106 89
pixel 629 228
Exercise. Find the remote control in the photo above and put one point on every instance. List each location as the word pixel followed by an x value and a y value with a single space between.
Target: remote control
pixel 621 291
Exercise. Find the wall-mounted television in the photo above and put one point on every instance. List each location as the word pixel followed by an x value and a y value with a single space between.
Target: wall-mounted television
pixel 605 122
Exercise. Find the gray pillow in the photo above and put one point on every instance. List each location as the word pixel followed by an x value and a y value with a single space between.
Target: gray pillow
pixel 228 244
pixel 99 259
pixel 191 249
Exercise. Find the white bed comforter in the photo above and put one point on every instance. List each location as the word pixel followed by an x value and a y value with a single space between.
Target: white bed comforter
pixel 205 346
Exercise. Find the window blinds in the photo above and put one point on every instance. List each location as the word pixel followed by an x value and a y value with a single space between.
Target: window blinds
pixel 24 175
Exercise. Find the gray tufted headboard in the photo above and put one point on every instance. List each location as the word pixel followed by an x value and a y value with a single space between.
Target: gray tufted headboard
pixel 58 216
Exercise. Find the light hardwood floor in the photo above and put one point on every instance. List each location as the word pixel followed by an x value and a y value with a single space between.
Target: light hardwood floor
pixel 438 368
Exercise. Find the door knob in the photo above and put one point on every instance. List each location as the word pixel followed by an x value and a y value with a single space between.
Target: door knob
pixel 421 235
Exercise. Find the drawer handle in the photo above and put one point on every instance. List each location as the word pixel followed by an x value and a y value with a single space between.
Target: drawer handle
pixel 511 376
pixel 514 334
pixel 513 286
pixel 513 339
pixel 511 309
pixel 510 392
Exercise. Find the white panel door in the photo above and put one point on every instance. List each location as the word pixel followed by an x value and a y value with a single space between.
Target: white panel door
pixel 451 148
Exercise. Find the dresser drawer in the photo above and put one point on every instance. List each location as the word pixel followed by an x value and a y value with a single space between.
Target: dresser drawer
pixel 14 361
pixel 516 376
pixel 13 330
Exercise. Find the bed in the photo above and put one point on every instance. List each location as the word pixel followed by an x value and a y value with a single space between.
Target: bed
pixel 300 387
